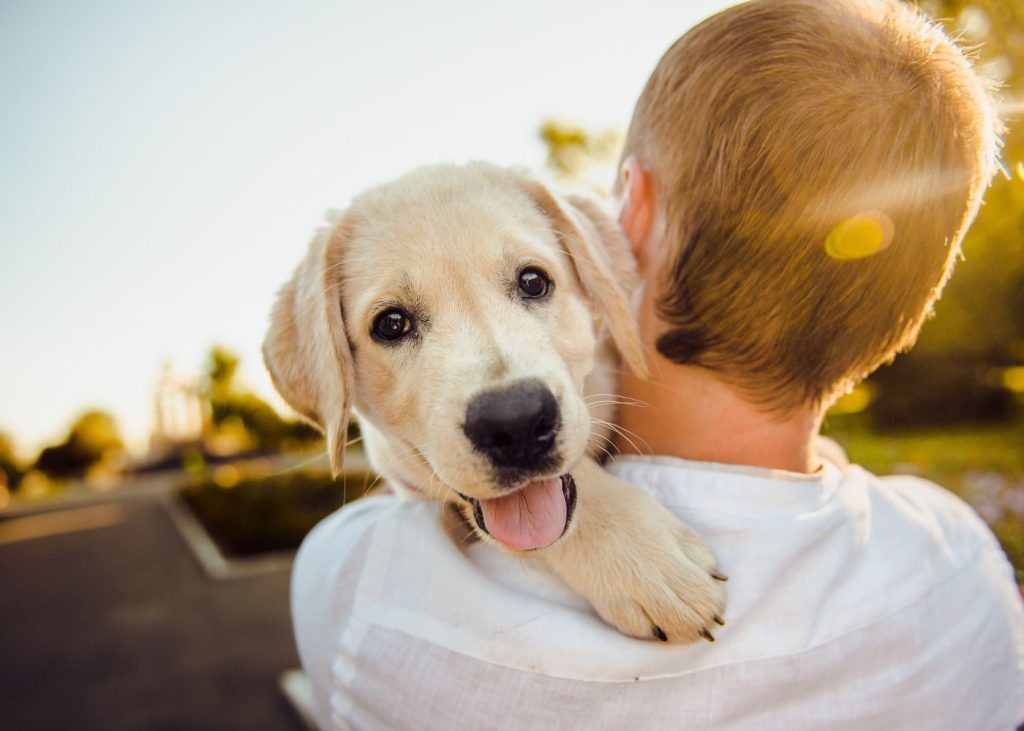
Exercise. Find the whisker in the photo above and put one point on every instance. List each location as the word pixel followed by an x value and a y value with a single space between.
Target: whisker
pixel 626 434
pixel 606 399
pixel 373 483
pixel 604 449
pixel 614 398
pixel 298 466
pixel 616 403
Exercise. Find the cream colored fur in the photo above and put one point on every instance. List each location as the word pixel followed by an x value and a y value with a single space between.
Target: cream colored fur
pixel 448 242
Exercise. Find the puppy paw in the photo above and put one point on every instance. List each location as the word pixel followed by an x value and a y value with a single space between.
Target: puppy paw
pixel 643 571
pixel 670 590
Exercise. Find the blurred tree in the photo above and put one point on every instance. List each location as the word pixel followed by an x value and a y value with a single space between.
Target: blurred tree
pixel 956 371
pixel 92 438
pixel 10 465
pixel 251 418
pixel 220 370
pixel 578 156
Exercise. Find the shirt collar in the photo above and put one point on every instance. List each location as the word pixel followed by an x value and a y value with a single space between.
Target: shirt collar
pixel 738 489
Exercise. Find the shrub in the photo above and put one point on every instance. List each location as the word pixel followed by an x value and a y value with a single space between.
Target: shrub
pixel 271 513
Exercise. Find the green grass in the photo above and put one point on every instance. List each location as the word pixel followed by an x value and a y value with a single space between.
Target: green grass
pixel 982 464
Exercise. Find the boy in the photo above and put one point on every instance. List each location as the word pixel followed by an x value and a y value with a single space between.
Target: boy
pixel 797 180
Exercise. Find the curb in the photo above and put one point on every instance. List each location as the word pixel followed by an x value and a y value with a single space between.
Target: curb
pixel 208 555
pixel 298 692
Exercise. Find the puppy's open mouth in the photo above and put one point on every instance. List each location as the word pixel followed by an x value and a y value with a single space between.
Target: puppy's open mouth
pixel 534 516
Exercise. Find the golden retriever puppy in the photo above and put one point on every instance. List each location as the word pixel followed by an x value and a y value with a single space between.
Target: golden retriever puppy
pixel 464 313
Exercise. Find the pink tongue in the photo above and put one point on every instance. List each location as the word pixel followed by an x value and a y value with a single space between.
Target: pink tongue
pixel 529 518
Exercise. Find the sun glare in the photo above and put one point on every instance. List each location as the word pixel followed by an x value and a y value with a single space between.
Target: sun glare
pixel 860 236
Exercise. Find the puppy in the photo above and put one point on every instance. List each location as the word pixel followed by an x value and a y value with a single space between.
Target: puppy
pixel 464 313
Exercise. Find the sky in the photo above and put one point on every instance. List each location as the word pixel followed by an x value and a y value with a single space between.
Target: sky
pixel 164 164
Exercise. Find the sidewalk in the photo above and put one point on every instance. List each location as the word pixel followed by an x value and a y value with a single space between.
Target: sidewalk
pixel 107 622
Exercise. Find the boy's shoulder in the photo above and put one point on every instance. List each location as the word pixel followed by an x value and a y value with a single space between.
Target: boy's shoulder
pixel 914 504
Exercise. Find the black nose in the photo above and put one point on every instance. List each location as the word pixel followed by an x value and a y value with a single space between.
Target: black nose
pixel 515 427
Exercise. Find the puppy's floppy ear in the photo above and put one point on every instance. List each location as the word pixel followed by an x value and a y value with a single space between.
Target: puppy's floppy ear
pixel 306 350
pixel 605 267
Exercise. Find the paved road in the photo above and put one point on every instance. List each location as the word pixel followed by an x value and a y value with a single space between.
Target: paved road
pixel 111 625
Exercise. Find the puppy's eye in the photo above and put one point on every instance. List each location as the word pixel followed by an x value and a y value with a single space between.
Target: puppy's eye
pixel 390 325
pixel 533 283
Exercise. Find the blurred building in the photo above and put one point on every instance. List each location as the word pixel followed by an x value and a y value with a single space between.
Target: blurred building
pixel 181 415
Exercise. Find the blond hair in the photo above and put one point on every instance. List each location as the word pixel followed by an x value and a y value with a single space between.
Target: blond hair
pixel 768 128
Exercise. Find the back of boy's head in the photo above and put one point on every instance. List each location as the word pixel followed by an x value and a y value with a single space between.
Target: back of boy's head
pixel 817 163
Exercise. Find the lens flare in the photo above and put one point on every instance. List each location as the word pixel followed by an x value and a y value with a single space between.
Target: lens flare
pixel 860 236
pixel 1013 379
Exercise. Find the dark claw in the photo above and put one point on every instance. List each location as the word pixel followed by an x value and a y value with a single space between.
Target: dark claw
pixel 719 620
pixel 716 574
pixel 660 633
pixel 707 635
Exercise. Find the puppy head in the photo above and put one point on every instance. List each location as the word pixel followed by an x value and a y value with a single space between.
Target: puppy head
pixel 458 309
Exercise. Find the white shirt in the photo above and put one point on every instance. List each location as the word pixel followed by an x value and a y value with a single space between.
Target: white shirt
pixel 854 602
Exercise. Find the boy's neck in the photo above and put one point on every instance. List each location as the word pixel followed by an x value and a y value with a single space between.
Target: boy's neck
pixel 687 412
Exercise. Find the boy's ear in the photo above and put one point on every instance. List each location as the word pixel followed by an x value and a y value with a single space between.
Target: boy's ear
pixel 306 349
pixel 637 207
pixel 604 266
